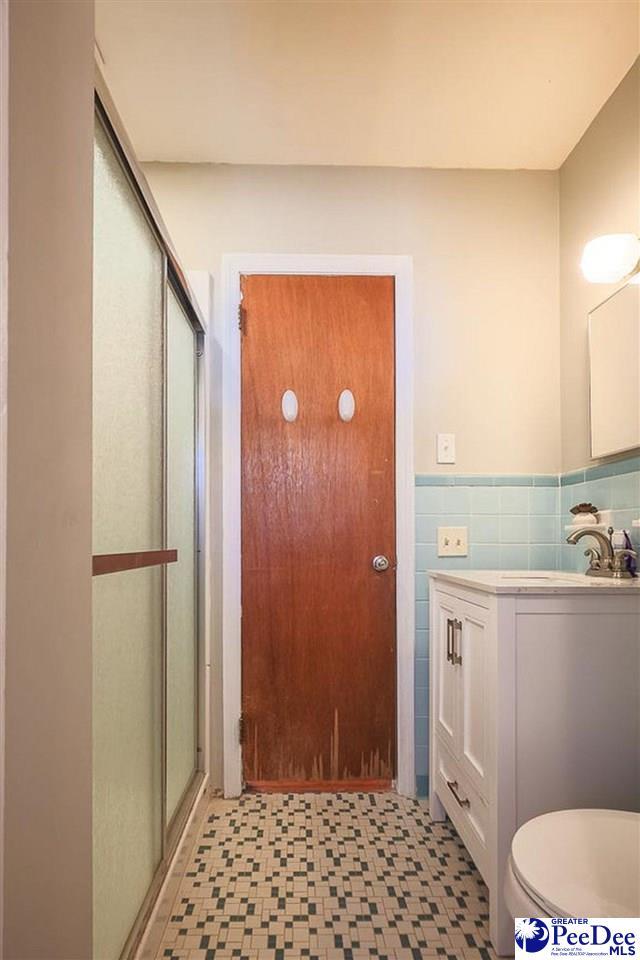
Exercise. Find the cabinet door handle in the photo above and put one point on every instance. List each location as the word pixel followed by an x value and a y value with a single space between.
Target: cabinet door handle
pixel 453 786
pixel 456 657
pixel 449 640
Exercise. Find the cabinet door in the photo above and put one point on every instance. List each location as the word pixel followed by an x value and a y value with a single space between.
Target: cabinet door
pixel 472 644
pixel 446 673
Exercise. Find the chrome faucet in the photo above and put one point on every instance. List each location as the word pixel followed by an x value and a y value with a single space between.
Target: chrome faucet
pixel 607 561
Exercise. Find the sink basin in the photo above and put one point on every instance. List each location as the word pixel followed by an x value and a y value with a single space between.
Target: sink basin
pixel 538 578
pixel 535 582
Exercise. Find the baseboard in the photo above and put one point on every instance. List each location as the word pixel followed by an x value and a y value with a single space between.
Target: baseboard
pixel 152 936
pixel 318 786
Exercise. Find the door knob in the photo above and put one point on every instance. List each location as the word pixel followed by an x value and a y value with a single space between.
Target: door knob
pixel 380 563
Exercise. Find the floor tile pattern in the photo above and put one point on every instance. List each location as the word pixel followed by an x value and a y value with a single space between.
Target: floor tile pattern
pixel 327 876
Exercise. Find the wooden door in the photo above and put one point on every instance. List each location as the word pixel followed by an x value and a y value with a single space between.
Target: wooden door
pixel 318 504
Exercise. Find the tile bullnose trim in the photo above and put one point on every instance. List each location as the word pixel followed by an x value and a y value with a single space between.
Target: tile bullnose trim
pixel 570 479
pixel 597 471
pixel 486 480
pixel 600 471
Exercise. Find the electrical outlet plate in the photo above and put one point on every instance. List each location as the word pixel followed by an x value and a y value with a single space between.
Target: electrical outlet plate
pixel 453 542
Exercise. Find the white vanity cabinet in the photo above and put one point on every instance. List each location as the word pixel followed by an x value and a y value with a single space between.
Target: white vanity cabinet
pixel 535 706
pixel 460 647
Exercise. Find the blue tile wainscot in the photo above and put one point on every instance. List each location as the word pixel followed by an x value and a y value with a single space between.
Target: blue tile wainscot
pixel 514 522
pixel 610 486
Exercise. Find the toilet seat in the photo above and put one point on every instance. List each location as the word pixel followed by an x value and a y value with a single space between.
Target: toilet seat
pixel 519 902
pixel 578 863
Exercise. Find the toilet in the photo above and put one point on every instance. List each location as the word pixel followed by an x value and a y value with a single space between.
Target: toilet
pixel 575 863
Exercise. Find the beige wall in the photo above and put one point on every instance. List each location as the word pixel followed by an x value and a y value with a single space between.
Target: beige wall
pixel 485 251
pixel 47 824
pixel 599 193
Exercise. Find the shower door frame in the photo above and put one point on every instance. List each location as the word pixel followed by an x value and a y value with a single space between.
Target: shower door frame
pixel 174 277
pixel 4 324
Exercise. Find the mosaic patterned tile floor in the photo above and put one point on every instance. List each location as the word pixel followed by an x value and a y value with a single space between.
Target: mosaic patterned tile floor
pixel 327 876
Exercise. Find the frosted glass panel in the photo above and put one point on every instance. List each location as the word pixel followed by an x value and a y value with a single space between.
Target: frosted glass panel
pixel 181 580
pixel 127 516
pixel 127 365
pixel 127 772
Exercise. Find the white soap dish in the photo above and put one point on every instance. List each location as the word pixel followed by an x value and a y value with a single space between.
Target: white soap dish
pixel 605 520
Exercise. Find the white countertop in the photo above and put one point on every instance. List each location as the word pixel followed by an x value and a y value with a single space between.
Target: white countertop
pixel 534 581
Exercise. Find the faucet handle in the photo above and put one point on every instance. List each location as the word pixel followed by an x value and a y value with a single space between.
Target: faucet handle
pixel 626 552
pixel 620 561
pixel 594 557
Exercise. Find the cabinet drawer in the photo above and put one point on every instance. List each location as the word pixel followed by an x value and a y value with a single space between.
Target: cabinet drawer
pixel 466 808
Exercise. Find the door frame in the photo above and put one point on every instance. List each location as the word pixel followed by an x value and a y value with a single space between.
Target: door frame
pixel 401 268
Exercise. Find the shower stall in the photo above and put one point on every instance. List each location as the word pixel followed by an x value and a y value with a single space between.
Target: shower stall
pixel 147 622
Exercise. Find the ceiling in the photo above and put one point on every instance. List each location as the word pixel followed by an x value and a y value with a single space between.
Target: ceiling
pixel 409 83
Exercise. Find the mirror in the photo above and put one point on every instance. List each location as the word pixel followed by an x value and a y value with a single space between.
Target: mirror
pixel 614 355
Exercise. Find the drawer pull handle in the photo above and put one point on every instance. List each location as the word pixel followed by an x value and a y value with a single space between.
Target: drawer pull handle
pixel 453 786
pixel 456 658
pixel 450 640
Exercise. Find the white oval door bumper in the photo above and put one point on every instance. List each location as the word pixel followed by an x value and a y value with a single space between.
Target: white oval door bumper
pixel 346 405
pixel 289 406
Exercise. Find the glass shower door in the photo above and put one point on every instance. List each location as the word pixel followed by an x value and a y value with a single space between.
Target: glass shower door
pixel 182 659
pixel 145 594
pixel 128 362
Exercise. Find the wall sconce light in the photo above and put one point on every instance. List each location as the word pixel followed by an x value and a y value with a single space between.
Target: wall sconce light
pixel 611 258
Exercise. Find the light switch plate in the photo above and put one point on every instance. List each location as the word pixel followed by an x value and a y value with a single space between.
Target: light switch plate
pixel 446 443
pixel 453 542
